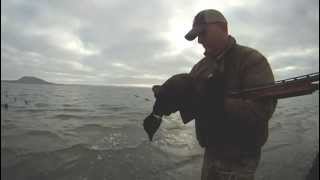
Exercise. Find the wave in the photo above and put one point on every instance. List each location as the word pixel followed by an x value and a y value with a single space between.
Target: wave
pixel 38 132
pixel 113 108
pixel 9 151
pixel 67 105
pixel 81 117
pixel 7 121
pixel 76 148
pixel 67 116
pixel 3 105
pixel 41 105
pixel 34 140
pixel 275 127
pixel 93 127
pixel 74 110
pixel 31 110
pixel 275 147
pixel 136 113
pixel 143 161
pixel 42 133
pixel 9 156
pixel 8 125
pixel 44 107
pixel 12 107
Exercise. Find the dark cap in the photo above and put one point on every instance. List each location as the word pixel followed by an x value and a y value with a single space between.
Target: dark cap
pixel 203 18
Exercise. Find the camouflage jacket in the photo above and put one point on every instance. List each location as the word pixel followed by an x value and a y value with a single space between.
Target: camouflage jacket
pixel 233 126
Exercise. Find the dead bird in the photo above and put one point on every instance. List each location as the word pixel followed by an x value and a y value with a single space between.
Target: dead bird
pixel 175 94
pixel 179 93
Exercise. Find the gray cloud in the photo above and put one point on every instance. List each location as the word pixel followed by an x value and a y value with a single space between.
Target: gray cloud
pixel 277 26
pixel 124 42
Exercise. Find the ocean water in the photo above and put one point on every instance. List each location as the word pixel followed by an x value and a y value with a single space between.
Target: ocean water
pixel 75 132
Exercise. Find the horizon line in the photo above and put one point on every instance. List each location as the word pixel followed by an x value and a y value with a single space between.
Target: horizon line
pixel 80 84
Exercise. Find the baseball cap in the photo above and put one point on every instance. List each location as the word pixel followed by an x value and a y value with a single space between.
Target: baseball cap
pixel 203 18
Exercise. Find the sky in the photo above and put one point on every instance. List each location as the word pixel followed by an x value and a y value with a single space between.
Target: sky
pixel 141 43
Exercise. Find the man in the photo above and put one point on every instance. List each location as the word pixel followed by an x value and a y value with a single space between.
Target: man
pixel 232 144
pixel 231 130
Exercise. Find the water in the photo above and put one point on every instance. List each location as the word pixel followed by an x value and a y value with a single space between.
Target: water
pixel 58 132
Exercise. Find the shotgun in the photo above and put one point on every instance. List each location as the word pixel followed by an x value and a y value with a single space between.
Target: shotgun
pixel 296 86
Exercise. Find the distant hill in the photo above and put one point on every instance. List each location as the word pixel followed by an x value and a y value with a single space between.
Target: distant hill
pixel 28 80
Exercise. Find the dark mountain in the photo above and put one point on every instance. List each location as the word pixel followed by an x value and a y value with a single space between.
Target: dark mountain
pixel 28 80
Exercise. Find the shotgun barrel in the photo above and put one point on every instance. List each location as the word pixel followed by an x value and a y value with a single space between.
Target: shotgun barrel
pixel 296 86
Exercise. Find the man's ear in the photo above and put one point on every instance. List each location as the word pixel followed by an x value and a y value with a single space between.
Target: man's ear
pixel 156 90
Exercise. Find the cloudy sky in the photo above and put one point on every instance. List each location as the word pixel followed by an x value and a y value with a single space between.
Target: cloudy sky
pixel 125 42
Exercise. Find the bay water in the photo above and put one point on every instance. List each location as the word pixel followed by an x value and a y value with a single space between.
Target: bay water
pixel 78 132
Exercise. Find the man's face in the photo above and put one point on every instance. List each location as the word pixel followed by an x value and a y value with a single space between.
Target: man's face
pixel 212 36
